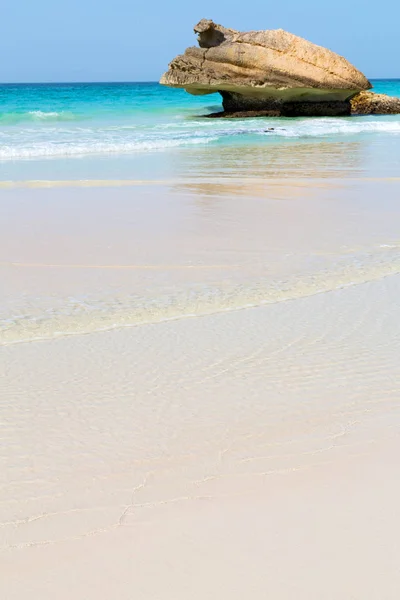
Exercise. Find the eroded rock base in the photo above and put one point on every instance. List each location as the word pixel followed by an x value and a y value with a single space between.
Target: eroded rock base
pixel 234 103
pixel 364 103
pixel 239 106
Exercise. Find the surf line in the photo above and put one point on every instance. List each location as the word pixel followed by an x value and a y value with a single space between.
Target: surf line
pixel 138 267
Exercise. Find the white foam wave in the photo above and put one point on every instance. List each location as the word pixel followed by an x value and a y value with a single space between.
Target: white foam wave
pixel 52 149
pixel 39 114
pixel 54 141
pixel 289 127
pixel 307 128
pixel 343 126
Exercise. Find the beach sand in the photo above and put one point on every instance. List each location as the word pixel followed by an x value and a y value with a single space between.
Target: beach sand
pixel 225 448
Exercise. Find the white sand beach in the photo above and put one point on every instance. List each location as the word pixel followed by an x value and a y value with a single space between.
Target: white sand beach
pixel 237 435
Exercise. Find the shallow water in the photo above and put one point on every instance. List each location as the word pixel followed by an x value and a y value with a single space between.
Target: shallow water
pixel 78 260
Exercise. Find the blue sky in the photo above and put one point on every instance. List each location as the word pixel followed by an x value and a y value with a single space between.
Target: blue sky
pixel 123 40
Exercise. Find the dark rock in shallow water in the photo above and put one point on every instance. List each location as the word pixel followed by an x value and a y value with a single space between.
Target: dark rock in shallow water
pixel 235 103
pixel 289 109
pixel 315 109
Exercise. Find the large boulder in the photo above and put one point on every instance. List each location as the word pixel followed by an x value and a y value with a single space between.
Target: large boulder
pixel 270 70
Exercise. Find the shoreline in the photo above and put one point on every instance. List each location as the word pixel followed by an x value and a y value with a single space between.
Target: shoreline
pixel 213 247
pixel 250 182
pixel 183 317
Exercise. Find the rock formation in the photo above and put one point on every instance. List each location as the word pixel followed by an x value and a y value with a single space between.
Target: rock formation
pixel 266 71
pixel 368 103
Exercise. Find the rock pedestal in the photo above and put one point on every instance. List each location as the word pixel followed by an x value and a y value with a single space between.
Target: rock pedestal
pixel 270 70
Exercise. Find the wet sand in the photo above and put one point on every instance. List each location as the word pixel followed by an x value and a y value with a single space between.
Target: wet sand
pixel 78 260
pixel 244 453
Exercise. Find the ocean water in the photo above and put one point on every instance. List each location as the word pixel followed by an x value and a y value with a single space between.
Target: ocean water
pixel 126 130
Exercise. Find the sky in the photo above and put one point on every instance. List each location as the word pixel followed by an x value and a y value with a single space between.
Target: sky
pixel 127 40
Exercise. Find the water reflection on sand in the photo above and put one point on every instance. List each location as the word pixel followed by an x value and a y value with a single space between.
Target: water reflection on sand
pixel 300 159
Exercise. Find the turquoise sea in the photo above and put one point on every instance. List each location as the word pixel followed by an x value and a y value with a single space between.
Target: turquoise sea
pixel 144 130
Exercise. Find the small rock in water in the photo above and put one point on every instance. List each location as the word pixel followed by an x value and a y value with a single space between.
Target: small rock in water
pixel 370 103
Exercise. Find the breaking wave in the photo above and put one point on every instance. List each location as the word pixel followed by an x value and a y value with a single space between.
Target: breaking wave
pixel 52 149
pixel 35 116
pixel 340 126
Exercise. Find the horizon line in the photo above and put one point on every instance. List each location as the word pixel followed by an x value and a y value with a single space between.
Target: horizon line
pixel 120 81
